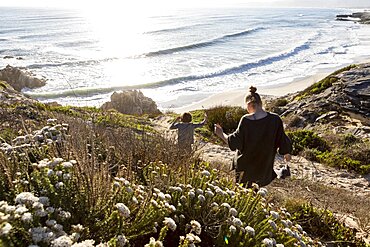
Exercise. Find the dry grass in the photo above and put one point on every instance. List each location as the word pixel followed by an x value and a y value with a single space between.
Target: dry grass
pixel 337 200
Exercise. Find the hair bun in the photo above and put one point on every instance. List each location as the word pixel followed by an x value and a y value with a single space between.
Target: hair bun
pixel 252 89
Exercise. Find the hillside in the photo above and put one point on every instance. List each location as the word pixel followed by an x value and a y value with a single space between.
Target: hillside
pixel 85 177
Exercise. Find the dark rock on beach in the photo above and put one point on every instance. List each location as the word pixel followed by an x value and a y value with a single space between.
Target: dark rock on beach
pixel 361 17
pixel 20 79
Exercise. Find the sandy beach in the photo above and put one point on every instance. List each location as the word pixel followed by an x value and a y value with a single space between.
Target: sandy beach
pixel 236 97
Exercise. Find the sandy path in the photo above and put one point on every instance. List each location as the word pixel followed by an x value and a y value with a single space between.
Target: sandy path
pixel 300 167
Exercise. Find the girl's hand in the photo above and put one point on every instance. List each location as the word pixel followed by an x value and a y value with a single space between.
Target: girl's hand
pixel 218 130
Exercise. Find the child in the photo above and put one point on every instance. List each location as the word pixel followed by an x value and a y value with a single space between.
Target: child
pixel 186 130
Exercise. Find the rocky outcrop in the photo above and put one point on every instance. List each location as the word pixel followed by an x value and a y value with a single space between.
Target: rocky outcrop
pixel 9 96
pixel 19 79
pixel 348 96
pixel 361 17
pixel 131 102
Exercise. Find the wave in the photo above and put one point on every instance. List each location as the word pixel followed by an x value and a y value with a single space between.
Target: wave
pixel 12 30
pixel 73 63
pixel 174 29
pixel 75 43
pixel 83 92
pixel 219 40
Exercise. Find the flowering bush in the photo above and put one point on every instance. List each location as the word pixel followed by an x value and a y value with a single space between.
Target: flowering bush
pixel 65 200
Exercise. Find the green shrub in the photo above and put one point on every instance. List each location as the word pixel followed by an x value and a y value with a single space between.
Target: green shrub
pixel 322 224
pixel 55 196
pixel 323 84
pixel 228 117
pixel 275 105
pixel 306 139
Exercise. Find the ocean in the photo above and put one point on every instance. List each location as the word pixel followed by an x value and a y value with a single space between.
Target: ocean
pixel 178 57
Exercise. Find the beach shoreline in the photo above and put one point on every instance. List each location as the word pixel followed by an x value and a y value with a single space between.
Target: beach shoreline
pixel 236 97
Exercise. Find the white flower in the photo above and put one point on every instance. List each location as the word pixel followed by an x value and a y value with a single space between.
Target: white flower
pixel 168 197
pixel 67 176
pixel 9 209
pixel 27 217
pixel 44 200
pixel 55 162
pixel 41 213
pixel 209 193
pixel 67 164
pixel 26 198
pixel 37 205
pixel 75 236
pixel 302 243
pixel 116 184
pixel 123 210
pixel 154 203
pixel 50 223
pixel 50 210
pixel 279 245
pixel 274 214
pixel 50 172
pixel 201 198
pixel 237 222
pixel 59 173
pixel 226 205
pixel 273 225
pixel 170 223
pixel 205 173
pixel 77 228
pixel 262 192
pixel 62 241
pixel 161 196
pixel 134 200
pixel 199 191
pixel 268 242
pixel 299 228
pixel 5 229
pixel 86 243
pixel 154 243
pixel 289 232
pixel 21 210
pixel 233 212
pixel 58 227
pixel 64 215
pixel 196 227
pixel 232 229
pixel 191 194
pixel 59 185
pixel 250 230
pixel 121 241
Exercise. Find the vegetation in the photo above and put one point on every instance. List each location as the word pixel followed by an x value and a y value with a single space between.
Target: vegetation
pixel 72 183
pixel 72 176
pixel 343 151
pixel 323 84
pixel 322 224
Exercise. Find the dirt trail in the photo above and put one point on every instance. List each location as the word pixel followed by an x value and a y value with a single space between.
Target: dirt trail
pixel 300 167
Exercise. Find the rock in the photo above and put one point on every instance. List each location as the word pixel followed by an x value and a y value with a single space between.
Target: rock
pixel 8 57
pixel 19 79
pixel 361 17
pixel 348 95
pixel 329 115
pixel 131 102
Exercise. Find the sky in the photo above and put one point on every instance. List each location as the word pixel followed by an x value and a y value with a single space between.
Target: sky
pixel 155 4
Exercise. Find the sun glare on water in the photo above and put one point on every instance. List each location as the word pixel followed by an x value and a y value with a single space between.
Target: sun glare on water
pixel 119 30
